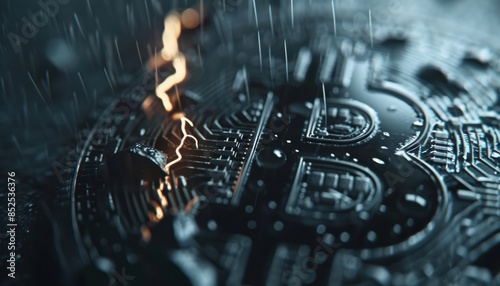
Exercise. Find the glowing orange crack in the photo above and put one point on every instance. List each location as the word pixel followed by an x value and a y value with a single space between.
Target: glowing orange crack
pixel 184 137
pixel 179 64
pixel 171 53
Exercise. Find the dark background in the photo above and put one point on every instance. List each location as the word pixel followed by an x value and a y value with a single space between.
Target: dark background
pixel 87 53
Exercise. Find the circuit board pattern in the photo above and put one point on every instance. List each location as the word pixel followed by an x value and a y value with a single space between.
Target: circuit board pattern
pixel 333 160
pixel 406 168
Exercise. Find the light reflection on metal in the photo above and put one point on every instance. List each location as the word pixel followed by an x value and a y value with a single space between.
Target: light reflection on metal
pixel 190 18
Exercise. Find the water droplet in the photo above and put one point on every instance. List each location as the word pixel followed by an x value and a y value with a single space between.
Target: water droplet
pixel 278 226
pixel 382 208
pixel 61 55
pixel 396 229
pixel 249 209
pixel 271 158
pixel 386 134
pixel 344 237
pixel 212 225
pixel 272 205
pixel 378 161
pixel 371 236
pixel 364 215
pixel 252 224
pixel 410 222
pixel 320 229
pixel 392 108
pixel 384 147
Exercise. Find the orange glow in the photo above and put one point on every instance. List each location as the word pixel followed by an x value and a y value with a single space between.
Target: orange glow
pixel 159 212
pixel 146 233
pixel 178 115
pixel 179 64
pixel 170 35
pixel 190 18
pixel 163 199
pixel 191 204
pixel 170 53
pixel 157 215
